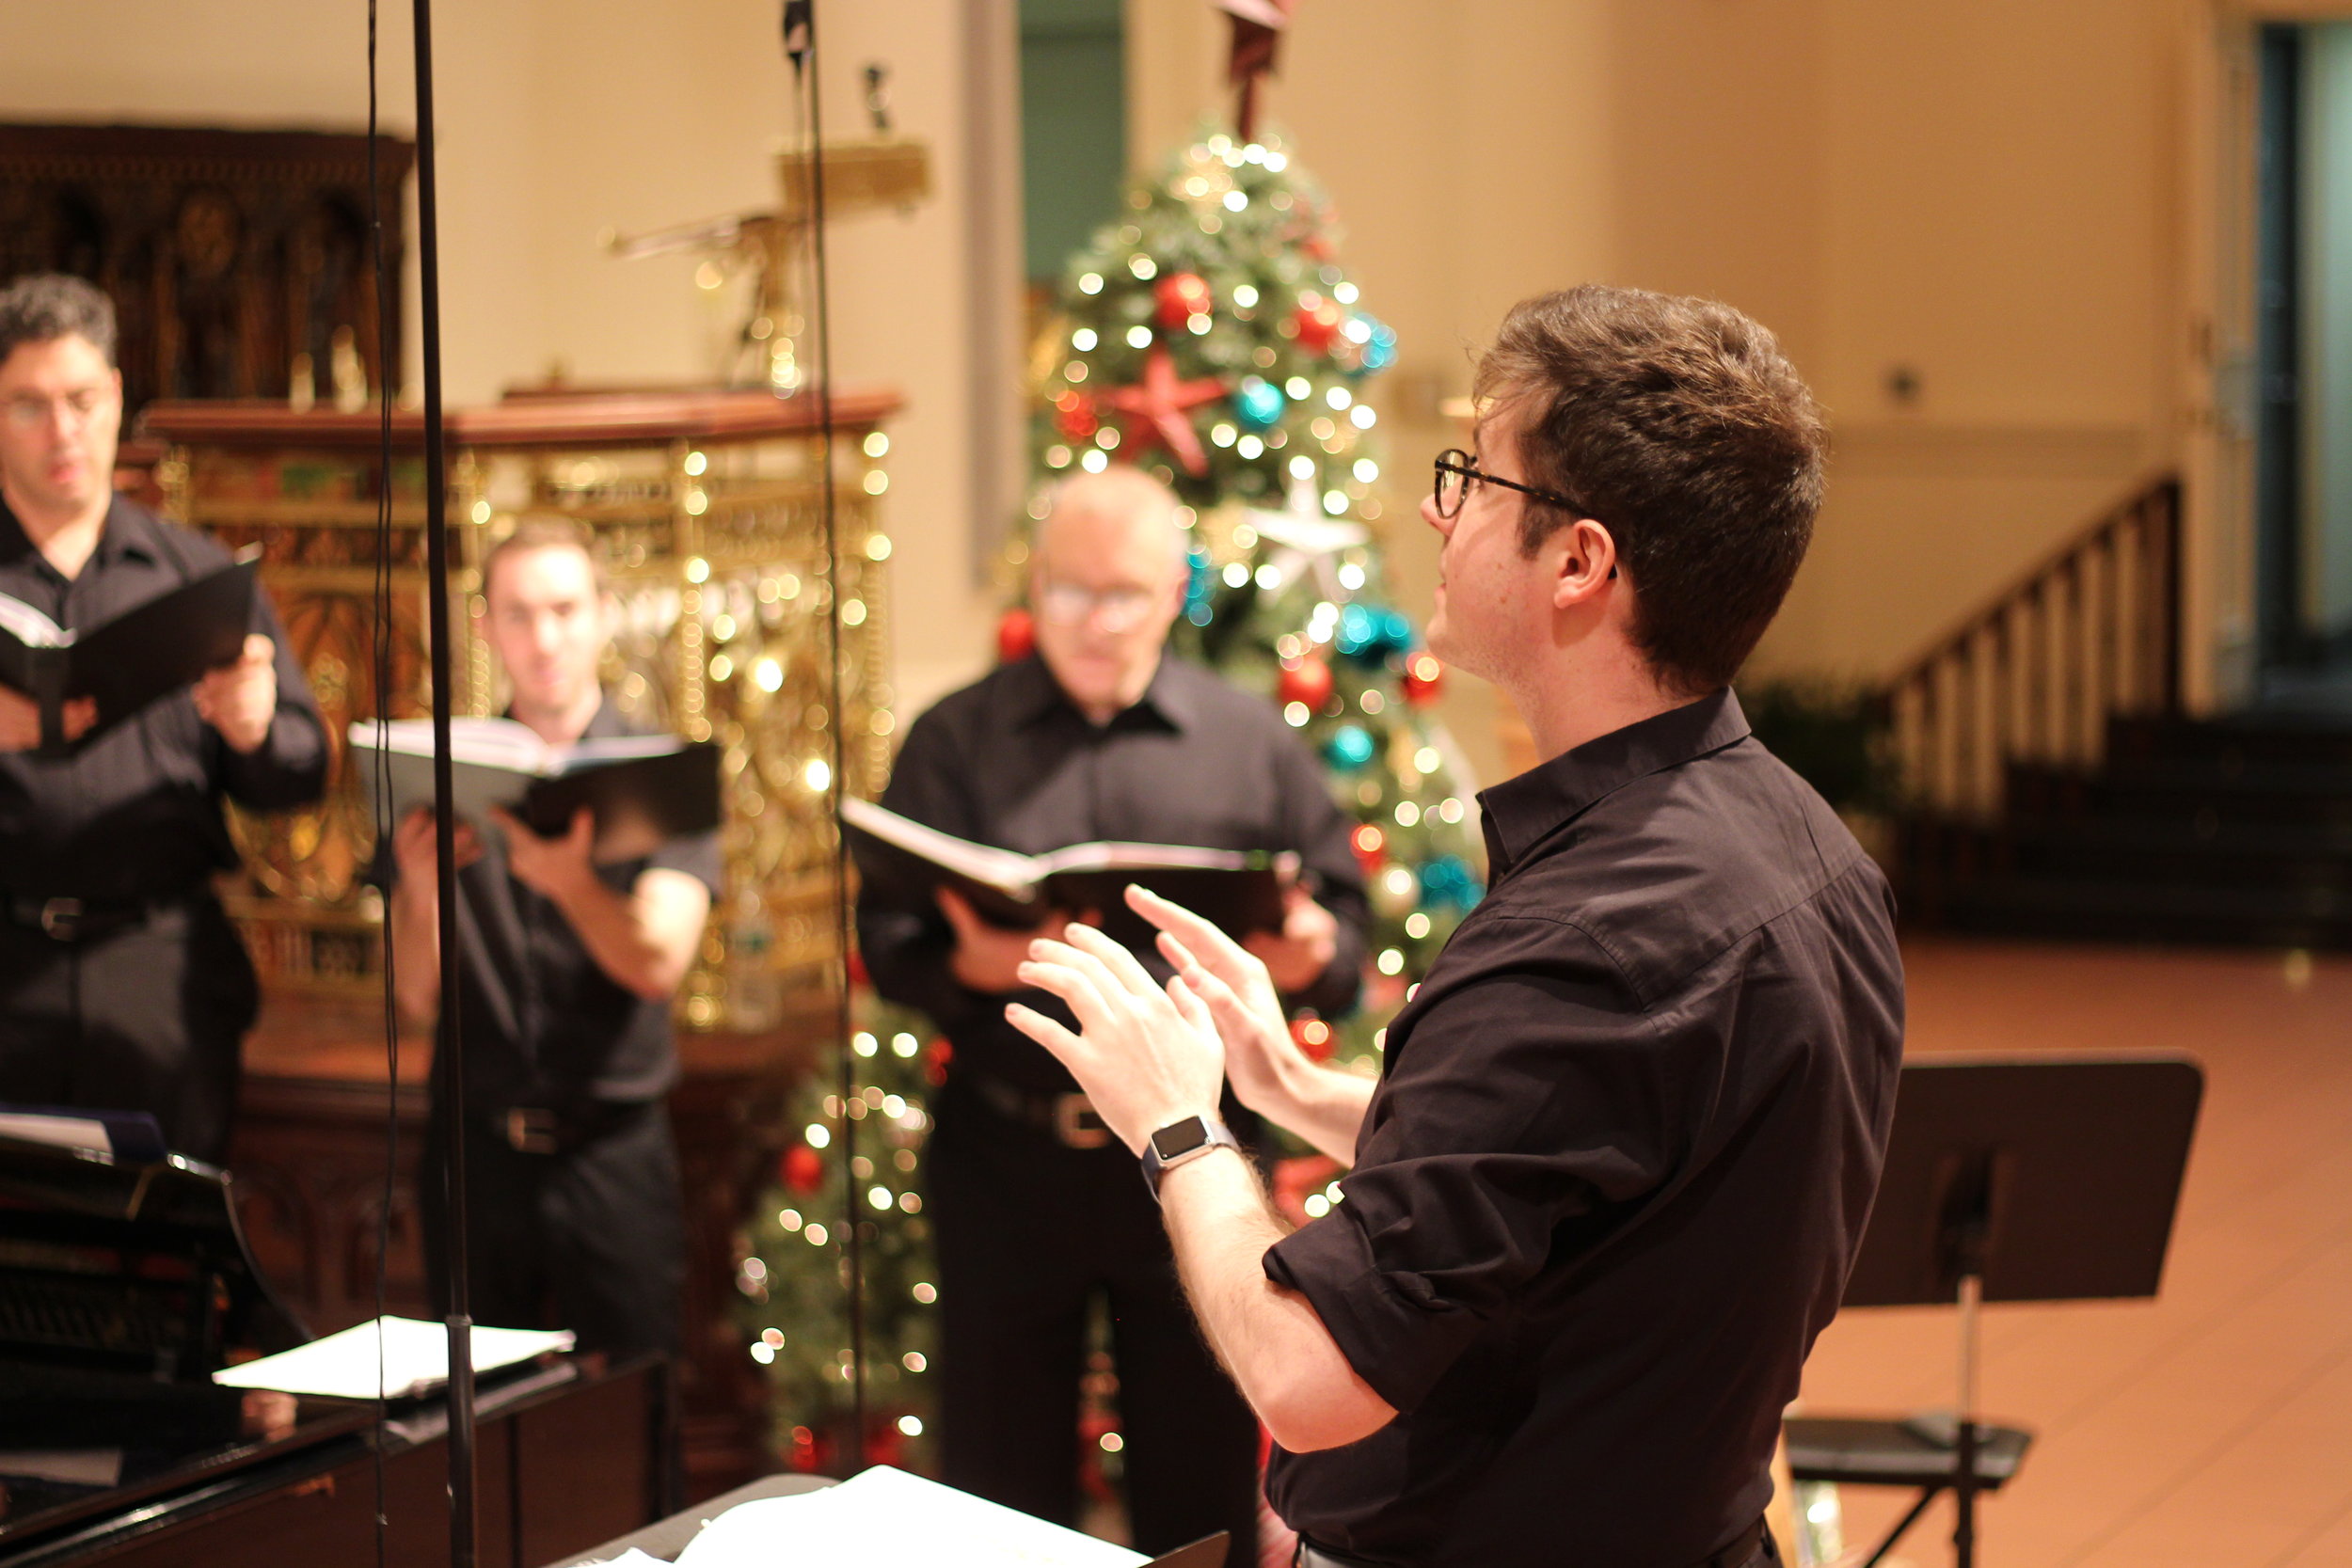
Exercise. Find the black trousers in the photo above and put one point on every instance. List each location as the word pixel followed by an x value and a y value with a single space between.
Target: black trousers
pixel 590 1239
pixel 1030 1234
pixel 147 1018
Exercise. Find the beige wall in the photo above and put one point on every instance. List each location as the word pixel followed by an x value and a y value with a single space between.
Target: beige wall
pixel 560 118
pixel 1986 193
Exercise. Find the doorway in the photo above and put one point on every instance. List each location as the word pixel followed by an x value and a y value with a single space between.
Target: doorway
pixel 2303 365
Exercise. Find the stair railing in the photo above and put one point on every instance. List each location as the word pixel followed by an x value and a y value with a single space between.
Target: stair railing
pixel 2090 633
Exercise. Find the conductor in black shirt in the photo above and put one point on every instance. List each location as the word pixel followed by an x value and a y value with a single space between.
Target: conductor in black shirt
pixel 574 1213
pixel 122 984
pixel 1100 735
pixel 1609 1187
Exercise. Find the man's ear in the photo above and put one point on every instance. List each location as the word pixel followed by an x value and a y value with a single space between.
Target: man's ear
pixel 1582 562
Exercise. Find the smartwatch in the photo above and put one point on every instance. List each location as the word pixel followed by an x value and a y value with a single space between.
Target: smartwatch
pixel 1181 1141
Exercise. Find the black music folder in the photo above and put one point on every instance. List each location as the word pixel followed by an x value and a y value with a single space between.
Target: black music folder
pixel 1237 889
pixel 144 653
pixel 642 790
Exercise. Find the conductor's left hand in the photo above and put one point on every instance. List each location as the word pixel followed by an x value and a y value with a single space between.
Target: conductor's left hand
pixel 239 699
pixel 1145 1056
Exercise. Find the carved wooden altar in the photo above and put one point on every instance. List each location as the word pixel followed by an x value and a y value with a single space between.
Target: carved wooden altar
pixel 705 506
pixel 238 261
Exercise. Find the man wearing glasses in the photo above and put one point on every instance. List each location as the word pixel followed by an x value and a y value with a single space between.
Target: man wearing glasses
pixel 1035 1206
pixel 122 984
pixel 1629 1128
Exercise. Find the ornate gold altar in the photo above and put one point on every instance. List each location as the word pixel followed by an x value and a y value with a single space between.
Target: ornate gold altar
pixel 707 507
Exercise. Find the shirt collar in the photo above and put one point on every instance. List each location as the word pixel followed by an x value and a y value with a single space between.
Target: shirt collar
pixel 1521 813
pixel 129 531
pixel 1170 700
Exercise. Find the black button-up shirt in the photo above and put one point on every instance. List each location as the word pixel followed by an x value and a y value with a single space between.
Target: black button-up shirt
pixel 544 1024
pixel 1611 1184
pixel 135 811
pixel 1008 762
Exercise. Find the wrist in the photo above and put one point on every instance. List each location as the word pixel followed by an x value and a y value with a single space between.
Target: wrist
pixel 1181 1140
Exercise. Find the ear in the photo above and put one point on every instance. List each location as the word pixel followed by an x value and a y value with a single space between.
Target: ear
pixel 1581 562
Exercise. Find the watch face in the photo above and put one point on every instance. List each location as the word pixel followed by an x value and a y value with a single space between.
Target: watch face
pixel 1181 1137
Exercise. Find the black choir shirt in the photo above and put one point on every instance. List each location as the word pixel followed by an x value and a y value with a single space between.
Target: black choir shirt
pixel 1617 1167
pixel 1008 762
pixel 133 813
pixel 544 1024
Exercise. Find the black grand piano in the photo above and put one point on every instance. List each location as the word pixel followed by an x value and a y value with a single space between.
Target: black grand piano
pixel 125 1282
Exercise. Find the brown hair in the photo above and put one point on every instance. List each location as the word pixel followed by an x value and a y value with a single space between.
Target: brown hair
pixel 547 534
pixel 44 306
pixel 1679 426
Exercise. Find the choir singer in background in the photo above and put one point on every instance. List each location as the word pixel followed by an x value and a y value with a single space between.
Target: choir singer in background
pixel 574 1216
pixel 1100 735
pixel 122 984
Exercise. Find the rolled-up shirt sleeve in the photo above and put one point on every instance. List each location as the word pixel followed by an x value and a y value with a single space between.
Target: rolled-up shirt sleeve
pixel 1522 1101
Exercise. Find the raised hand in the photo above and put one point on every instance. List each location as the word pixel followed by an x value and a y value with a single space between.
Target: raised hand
pixel 1239 993
pixel 1146 1057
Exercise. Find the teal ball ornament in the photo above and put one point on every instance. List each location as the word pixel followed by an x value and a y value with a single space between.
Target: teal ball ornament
pixel 1350 747
pixel 1258 403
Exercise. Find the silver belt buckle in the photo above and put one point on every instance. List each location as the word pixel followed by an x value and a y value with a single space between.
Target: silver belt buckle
pixel 60 918
pixel 530 1129
pixel 1076 1124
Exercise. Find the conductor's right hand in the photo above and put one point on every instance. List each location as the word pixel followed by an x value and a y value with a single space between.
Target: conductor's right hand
pixel 987 957
pixel 19 720
pixel 1260 1057
pixel 413 849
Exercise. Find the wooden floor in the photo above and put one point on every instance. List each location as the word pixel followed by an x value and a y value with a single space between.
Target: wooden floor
pixel 2211 1428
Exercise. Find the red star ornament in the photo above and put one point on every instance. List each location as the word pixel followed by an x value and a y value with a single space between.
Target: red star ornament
pixel 1159 403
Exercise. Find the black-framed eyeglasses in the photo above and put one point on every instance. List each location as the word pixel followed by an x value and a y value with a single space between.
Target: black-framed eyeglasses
pixel 1456 473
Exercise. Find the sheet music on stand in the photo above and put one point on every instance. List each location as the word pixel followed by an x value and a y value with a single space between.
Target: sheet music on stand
pixel 886 1518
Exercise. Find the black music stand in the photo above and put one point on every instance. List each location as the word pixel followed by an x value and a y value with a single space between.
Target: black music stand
pixel 2041 1178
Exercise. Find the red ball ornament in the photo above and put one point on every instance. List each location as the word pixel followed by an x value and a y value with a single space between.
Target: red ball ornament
pixel 802 1168
pixel 1314 1038
pixel 1075 417
pixel 1424 677
pixel 936 1057
pixel 1318 320
pixel 1181 295
pixel 1016 635
pixel 1371 845
pixel 1307 681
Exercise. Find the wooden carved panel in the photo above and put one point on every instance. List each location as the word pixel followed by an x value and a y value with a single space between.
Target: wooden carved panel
pixel 233 256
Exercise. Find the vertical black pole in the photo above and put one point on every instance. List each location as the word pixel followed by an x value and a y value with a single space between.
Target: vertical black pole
pixel 450 1059
pixel 854 1221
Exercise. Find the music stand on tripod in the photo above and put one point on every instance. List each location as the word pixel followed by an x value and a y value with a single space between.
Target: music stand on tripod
pixel 2042 1178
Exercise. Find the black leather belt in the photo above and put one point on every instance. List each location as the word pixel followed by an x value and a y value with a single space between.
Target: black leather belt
pixel 75 920
pixel 1069 1118
pixel 559 1130
pixel 1737 1555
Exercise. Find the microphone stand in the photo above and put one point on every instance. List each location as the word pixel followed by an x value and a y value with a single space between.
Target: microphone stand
pixel 450 1058
pixel 801 48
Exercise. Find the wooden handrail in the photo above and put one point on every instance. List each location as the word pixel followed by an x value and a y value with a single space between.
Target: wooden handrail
pixel 2090 633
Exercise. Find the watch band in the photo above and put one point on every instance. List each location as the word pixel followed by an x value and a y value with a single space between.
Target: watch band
pixel 1181 1142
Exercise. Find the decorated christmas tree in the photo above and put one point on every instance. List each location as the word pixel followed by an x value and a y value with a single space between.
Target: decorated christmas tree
pixel 794 1271
pixel 1210 335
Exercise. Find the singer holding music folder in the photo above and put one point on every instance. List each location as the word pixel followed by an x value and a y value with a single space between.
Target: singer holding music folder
pixel 568 971
pixel 122 984
pixel 1037 1215
pixel 1628 1130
